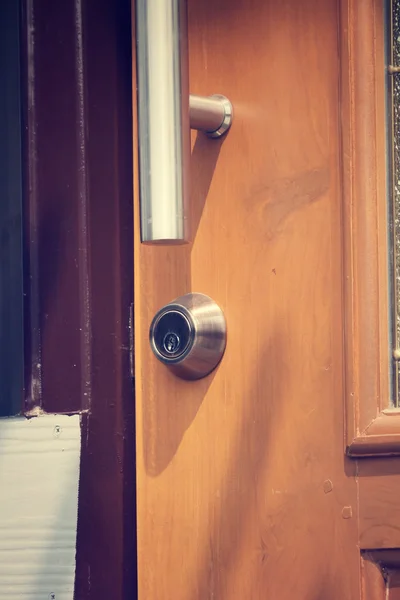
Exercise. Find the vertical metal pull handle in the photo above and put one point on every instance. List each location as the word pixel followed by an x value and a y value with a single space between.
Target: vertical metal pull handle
pixel 166 114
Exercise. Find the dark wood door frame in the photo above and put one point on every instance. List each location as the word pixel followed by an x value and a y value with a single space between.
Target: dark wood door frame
pixel 76 74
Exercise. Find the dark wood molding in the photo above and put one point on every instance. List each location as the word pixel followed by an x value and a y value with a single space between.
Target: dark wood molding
pixel 365 232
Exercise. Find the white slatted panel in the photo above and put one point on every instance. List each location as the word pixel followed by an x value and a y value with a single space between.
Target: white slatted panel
pixel 39 476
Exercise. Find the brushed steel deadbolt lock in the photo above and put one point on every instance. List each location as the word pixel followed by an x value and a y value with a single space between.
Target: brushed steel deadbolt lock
pixel 189 335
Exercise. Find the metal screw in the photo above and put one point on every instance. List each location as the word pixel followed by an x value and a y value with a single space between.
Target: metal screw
pixel 52 596
pixel 57 430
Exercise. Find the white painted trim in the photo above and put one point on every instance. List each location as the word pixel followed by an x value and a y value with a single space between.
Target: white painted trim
pixel 39 477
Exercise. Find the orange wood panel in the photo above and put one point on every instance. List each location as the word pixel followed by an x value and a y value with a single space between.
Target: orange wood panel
pixel 373 582
pixel 381 575
pixel 379 495
pixel 243 487
pixel 370 431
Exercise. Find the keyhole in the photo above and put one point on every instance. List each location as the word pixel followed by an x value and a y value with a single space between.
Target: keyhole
pixel 171 343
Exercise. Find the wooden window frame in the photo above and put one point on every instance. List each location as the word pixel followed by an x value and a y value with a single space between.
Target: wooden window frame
pixel 373 429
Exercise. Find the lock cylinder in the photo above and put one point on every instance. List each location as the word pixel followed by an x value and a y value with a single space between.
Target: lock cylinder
pixel 188 335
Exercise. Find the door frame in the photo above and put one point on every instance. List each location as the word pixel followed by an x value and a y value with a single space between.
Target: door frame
pixel 77 172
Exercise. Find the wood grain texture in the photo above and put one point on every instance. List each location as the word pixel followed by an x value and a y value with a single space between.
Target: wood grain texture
pixel 381 437
pixel 379 497
pixel 241 477
pixel 373 582
pixel 365 243
pixel 381 574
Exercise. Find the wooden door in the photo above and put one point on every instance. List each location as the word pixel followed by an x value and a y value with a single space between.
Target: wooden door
pixel 244 488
